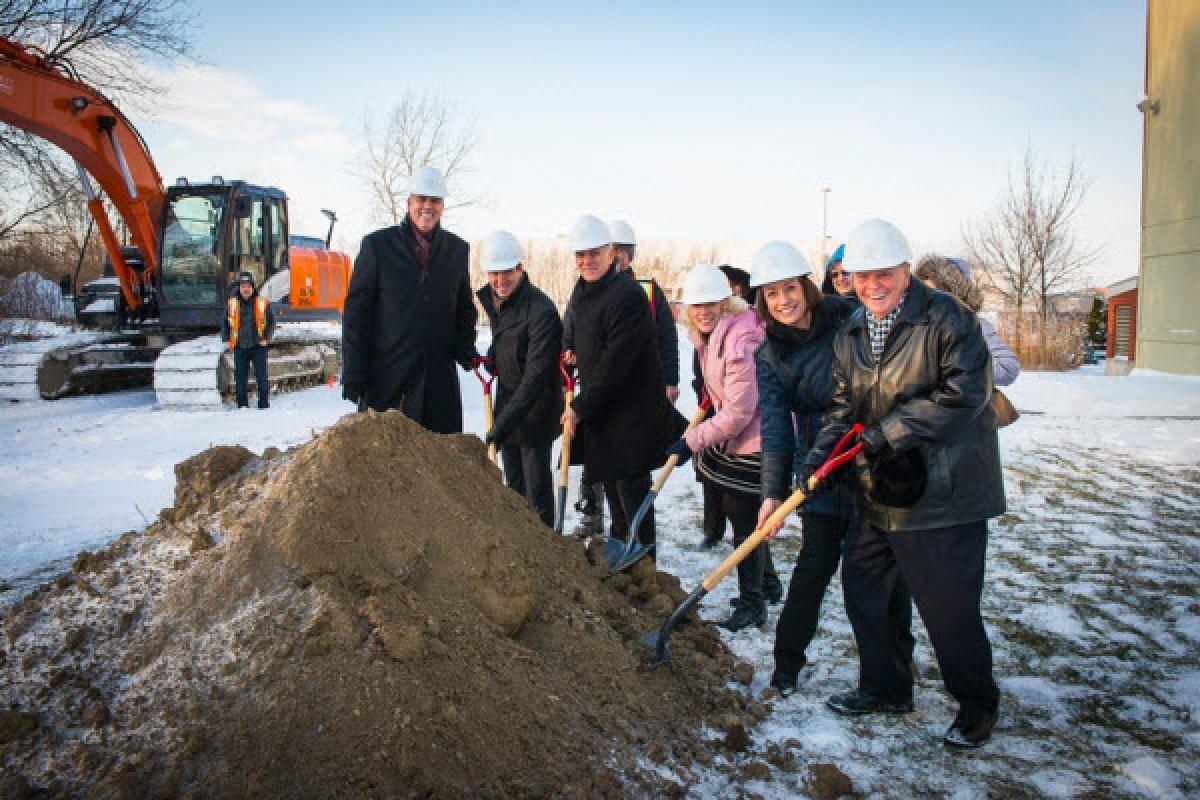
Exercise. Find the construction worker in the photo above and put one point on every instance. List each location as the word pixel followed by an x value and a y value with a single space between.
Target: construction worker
pixel 248 326
pixel 526 333
pixel 793 369
pixel 912 365
pixel 410 315
pixel 622 411
pixel 725 332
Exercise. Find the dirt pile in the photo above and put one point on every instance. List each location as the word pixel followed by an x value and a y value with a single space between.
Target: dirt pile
pixel 370 614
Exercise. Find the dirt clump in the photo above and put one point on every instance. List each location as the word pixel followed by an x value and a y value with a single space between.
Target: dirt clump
pixel 370 614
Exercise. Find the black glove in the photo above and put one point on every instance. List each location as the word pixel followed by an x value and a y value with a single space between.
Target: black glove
pixel 875 444
pixel 680 449
pixel 354 391
pixel 494 437
pixel 806 472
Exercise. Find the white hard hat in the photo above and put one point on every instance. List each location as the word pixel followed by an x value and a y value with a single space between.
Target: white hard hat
pixel 622 232
pixel 427 182
pixel 588 233
pixel 705 283
pixel 875 244
pixel 777 261
pixel 501 251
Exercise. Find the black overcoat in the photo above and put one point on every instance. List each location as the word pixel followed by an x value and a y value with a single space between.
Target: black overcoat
pixel 626 420
pixel 526 332
pixel 404 326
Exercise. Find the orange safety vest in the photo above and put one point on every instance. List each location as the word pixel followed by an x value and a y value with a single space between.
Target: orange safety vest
pixel 235 318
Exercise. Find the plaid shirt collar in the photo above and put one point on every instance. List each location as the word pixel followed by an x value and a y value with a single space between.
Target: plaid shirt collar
pixel 880 328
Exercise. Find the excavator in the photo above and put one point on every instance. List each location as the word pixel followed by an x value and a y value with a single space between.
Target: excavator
pixel 187 244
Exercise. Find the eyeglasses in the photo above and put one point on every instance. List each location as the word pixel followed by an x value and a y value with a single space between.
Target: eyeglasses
pixel 837 275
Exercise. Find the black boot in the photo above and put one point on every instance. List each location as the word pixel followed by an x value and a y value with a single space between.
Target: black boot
pixel 784 682
pixel 744 616
pixel 590 508
pixel 857 702
pixel 971 728
pixel 772 588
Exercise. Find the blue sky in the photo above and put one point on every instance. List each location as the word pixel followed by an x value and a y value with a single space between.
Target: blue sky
pixel 689 120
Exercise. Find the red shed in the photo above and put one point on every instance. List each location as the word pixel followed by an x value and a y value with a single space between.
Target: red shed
pixel 1122 319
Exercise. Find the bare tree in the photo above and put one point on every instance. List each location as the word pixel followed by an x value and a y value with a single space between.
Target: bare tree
pixel 1027 245
pixel 103 42
pixel 419 129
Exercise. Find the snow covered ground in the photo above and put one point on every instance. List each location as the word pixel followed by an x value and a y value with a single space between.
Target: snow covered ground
pixel 1091 601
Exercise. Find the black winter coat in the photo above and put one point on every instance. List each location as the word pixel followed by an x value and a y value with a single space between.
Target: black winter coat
pixel 664 325
pixel 931 392
pixel 404 327
pixel 795 389
pixel 626 420
pixel 526 333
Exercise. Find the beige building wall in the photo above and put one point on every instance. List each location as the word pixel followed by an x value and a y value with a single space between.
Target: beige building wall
pixel 1168 320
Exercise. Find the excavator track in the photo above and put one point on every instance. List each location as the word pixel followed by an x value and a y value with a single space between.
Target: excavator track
pixel 198 374
pixel 20 361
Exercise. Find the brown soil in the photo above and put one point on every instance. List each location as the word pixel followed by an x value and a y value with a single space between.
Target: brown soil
pixel 370 614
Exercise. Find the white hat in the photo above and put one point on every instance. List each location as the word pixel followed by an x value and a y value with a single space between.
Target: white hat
pixel 875 244
pixel 777 261
pixel 427 181
pixel 500 252
pixel 705 283
pixel 588 233
pixel 622 232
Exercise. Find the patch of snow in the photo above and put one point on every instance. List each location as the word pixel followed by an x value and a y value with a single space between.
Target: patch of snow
pixel 1152 777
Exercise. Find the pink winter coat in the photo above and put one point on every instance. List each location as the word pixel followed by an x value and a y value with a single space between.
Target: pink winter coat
pixel 727 363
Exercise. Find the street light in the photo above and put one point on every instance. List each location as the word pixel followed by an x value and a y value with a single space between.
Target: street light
pixel 825 190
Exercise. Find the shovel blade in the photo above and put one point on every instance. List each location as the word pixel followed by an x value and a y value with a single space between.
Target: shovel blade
pixel 561 515
pixel 631 556
pixel 659 643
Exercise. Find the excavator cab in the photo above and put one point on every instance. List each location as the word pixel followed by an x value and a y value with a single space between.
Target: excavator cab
pixel 212 233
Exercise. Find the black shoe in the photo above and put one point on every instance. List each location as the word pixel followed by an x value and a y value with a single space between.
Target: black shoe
pixel 784 682
pixel 970 729
pixel 857 702
pixel 772 589
pixel 745 616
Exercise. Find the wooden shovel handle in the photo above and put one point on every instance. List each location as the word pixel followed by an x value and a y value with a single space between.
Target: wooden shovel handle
pixel 564 461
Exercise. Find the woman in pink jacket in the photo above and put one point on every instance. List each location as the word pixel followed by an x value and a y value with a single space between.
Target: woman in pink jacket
pixel 726 332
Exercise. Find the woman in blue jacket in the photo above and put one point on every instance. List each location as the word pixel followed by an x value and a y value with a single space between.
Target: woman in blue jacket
pixel 794 369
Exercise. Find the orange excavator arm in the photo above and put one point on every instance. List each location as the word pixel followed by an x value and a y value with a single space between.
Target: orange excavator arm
pixel 39 99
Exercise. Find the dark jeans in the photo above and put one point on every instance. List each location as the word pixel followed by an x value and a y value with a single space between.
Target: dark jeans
pixel 527 472
pixel 742 513
pixel 815 565
pixel 943 569
pixel 242 356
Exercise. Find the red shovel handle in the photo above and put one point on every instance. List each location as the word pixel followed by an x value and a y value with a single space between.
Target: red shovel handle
pixel 487 382
pixel 568 378
pixel 840 454
pixel 705 400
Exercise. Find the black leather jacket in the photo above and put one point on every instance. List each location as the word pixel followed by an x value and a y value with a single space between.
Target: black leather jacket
pixel 930 391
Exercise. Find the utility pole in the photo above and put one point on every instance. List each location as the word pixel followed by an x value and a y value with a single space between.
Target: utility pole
pixel 824 218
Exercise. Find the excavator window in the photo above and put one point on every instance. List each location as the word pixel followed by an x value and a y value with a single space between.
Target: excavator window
pixel 279 237
pixel 191 265
pixel 246 252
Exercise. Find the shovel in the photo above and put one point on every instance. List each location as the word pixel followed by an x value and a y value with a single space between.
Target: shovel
pixel 659 641
pixel 488 420
pixel 620 554
pixel 564 460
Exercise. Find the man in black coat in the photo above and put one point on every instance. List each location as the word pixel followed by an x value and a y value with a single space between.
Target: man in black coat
pixel 622 411
pixel 409 315
pixel 526 332
pixel 913 366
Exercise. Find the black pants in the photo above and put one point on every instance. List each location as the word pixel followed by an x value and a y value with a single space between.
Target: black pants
pixel 527 472
pixel 815 566
pixel 714 518
pixel 624 499
pixel 943 570
pixel 742 512
pixel 242 357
